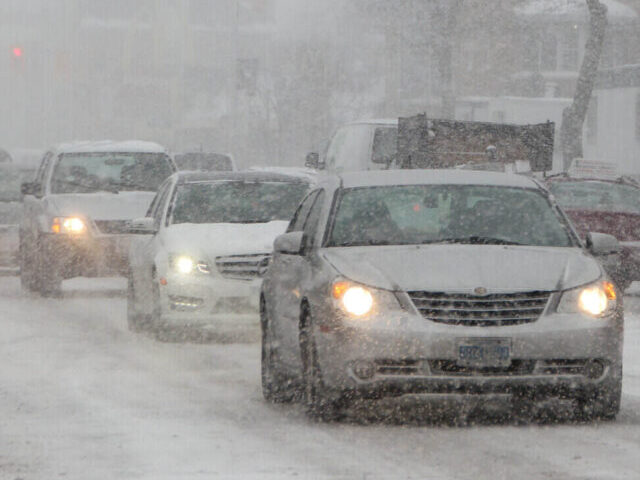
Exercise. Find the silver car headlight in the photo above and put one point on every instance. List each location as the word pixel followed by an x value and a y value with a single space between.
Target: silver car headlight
pixel 186 264
pixel 597 299
pixel 358 301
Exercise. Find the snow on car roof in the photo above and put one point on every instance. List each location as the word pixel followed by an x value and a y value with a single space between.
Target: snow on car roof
pixel 306 173
pixel 248 176
pixel 110 146
pixel 376 121
pixel 435 177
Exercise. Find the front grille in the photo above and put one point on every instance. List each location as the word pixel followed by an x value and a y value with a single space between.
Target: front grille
pixel 243 267
pixel 451 368
pixel 493 310
pixel 387 366
pixel 112 227
pixel 561 367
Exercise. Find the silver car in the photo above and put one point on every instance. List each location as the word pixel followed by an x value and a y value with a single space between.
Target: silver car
pixel 451 282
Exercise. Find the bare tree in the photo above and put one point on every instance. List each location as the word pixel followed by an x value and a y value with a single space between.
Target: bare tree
pixel 573 116
pixel 447 12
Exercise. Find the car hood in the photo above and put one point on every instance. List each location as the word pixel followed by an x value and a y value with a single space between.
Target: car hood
pixel 101 205
pixel 212 240
pixel 462 268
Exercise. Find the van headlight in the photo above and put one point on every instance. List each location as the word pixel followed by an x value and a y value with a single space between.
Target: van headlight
pixel 70 225
pixel 597 299
pixel 359 300
pixel 186 264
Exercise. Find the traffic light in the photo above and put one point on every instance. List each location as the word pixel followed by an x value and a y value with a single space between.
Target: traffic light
pixel 17 58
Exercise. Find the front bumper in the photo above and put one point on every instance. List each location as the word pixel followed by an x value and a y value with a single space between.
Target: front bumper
pixel 406 353
pixel 202 299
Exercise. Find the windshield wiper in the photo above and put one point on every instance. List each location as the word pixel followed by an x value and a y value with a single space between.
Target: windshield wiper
pixel 474 240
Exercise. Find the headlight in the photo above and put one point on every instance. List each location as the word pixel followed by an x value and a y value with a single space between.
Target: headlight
pixel 185 264
pixel 71 225
pixel 597 299
pixel 358 300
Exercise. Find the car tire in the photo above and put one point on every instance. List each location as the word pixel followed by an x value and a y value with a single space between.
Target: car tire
pixel 601 403
pixel 48 271
pixel 135 320
pixel 276 387
pixel 28 273
pixel 320 406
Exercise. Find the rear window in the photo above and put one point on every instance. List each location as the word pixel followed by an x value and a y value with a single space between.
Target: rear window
pixel 206 162
pixel 597 196
pixel 237 202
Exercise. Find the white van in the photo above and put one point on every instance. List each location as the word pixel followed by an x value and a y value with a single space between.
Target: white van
pixel 362 145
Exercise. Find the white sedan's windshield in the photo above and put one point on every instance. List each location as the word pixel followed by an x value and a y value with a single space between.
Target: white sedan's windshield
pixel 399 215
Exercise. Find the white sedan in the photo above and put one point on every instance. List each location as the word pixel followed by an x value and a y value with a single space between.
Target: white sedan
pixel 208 241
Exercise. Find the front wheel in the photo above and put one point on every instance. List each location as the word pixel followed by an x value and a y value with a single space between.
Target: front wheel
pixel 134 317
pixel 28 274
pixel 276 387
pixel 48 269
pixel 602 403
pixel 317 400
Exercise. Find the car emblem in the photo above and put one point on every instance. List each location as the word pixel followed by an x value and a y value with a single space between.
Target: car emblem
pixel 480 291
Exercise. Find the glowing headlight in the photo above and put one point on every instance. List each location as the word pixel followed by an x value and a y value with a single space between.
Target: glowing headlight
pixel 186 265
pixel 73 225
pixel 598 299
pixel 354 299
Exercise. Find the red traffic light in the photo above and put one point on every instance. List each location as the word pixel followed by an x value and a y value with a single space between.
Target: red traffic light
pixel 17 52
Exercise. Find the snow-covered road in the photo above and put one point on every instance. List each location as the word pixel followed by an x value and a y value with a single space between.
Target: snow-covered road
pixel 82 398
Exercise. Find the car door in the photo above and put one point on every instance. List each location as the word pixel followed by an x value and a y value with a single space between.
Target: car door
pixel 282 297
pixel 299 278
pixel 33 220
pixel 144 247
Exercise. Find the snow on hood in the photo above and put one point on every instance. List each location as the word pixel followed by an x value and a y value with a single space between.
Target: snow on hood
pixel 216 239
pixel 101 205
pixel 462 268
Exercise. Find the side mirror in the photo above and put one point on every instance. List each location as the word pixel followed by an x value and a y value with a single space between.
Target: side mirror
pixel 142 226
pixel 312 160
pixel 30 188
pixel 602 244
pixel 289 243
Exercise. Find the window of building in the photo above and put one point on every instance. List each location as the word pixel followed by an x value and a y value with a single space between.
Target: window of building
pixel 569 57
pixel 549 53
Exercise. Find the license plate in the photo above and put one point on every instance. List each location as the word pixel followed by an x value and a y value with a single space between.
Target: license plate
pixel 484 352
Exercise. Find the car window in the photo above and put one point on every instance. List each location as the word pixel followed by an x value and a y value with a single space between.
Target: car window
pixel 447 214
pixel 110 171
pixel 301 214
pixel 313 219
pixel 40 175
pixel 349 150
pixel 158 198
pixel 159 207
pixel 385 147
pixel 598 196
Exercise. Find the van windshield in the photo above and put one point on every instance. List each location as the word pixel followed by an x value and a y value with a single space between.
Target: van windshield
pixel 110 172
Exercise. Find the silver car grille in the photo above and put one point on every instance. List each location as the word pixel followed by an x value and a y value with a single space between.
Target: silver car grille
pixel 112 227
pixel 243 267
pixel 489 310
